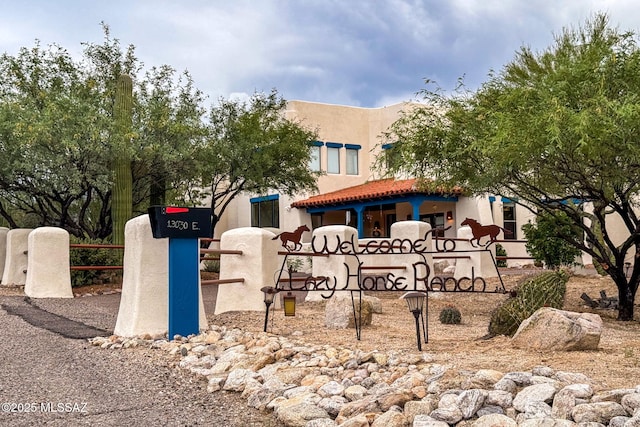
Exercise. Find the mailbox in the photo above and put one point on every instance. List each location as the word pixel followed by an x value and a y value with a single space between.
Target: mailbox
pixel 180 222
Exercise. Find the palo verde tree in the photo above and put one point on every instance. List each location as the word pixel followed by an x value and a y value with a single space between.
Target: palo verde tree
pixel 556 130
pixel 253 148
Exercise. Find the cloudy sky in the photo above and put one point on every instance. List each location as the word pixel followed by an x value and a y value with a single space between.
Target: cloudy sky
pixel 366 53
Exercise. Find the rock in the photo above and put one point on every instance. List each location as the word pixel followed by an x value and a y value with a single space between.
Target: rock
pixel 236 381
pixel 599 412
pixel 388 400
pixel 484 378
pixel 355 392
pixel 351 409
pixel 559 330
pixel 339 313
pixel 321 422
pixel 532 394
pixel 631 403
pixel 391 418
pixel 332 388
pixel 503 399
pixel 360 420
pixel 414 408
pixel 494 420
pixel 298 415
pixel 612 395
pixel 427 421
pixel 332 405
pixel 469 401
pixel 565 400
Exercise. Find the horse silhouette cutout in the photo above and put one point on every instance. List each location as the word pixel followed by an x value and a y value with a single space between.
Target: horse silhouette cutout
pixel 293 237
pixel 479 231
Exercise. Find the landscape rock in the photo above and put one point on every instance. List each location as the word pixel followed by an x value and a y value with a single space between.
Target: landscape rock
pixel 559 330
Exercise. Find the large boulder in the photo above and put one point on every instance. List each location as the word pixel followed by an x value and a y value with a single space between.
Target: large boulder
pixel 560 330
pixel 339 312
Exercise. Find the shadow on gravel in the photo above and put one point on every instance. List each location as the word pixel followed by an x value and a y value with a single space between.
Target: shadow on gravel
pixel 52 322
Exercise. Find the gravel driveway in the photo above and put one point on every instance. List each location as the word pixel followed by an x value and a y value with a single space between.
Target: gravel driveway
pixel 51 376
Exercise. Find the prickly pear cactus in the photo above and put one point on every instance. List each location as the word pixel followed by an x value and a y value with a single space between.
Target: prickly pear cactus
pixel 450 315
pixel 545 289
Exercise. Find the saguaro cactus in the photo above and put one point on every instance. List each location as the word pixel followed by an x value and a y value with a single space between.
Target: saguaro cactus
pixel 122 198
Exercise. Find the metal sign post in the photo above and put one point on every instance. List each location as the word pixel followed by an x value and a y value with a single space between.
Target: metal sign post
pixel 183 227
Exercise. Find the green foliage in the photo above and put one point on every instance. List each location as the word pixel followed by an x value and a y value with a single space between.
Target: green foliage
pixel 60 141
pixel 450 315
pixel 547 239
pixel 501 251
pixel 94 257
pixel 212 266
pixel 122 200
pixel 252 147
pixel 556 130
pixel 295 264
pixel 545 289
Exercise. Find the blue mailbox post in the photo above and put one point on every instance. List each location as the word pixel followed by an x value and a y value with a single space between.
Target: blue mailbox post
pixel 183 226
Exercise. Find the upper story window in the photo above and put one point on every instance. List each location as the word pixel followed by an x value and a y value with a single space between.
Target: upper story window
pixel 315 164
pixel 352 158
pixel 333 157
pixel 265 211
pixel 509 219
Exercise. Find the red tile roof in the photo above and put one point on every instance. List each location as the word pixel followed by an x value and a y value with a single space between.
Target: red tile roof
pixel 379 189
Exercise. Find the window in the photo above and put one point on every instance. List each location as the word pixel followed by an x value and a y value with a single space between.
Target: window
pixel 352 158
pixel 333 157
pixel 509 218
pixel 314 160
pixel 437 223
pixel 265 211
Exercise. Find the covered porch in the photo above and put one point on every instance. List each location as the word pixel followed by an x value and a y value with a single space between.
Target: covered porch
pixel 374 206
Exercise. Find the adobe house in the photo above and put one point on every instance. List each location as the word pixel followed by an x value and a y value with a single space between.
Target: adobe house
pixel 349 192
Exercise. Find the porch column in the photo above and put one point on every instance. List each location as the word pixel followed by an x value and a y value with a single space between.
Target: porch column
pixel 415 204
pixel 359 210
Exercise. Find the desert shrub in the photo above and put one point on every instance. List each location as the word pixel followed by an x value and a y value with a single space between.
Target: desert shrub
pixel 450 315
pixel 544 243
pixel 98 257
pixel 212 266
pixel 501 251
pixel 545 289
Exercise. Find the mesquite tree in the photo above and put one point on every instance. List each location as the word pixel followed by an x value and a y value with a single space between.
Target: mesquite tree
pixel 555 130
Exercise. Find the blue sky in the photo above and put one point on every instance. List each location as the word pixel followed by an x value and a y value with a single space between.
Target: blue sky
pixel 367 53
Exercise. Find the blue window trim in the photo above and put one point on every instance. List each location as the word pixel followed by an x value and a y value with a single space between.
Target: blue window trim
pixel 317 143
pixel 386 146
pixel 504 199
pixel 334 145
pixel 264 198
pixel 352 146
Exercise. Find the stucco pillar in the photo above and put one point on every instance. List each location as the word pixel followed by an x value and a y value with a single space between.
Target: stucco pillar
pixel 341 240
pixel 480 261
pixel 144 302
pixel 48 274
pixel 258 266
pixel 418 233
pixel 15 264
pixel 3 248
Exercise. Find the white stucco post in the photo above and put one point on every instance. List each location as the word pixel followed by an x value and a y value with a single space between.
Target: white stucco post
pixel 48 274
pixel 479 261
pixel 257 265
pixel 3 248
pixel 418 233
pixel 341 266
pixel 144 303
pixel 15 264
